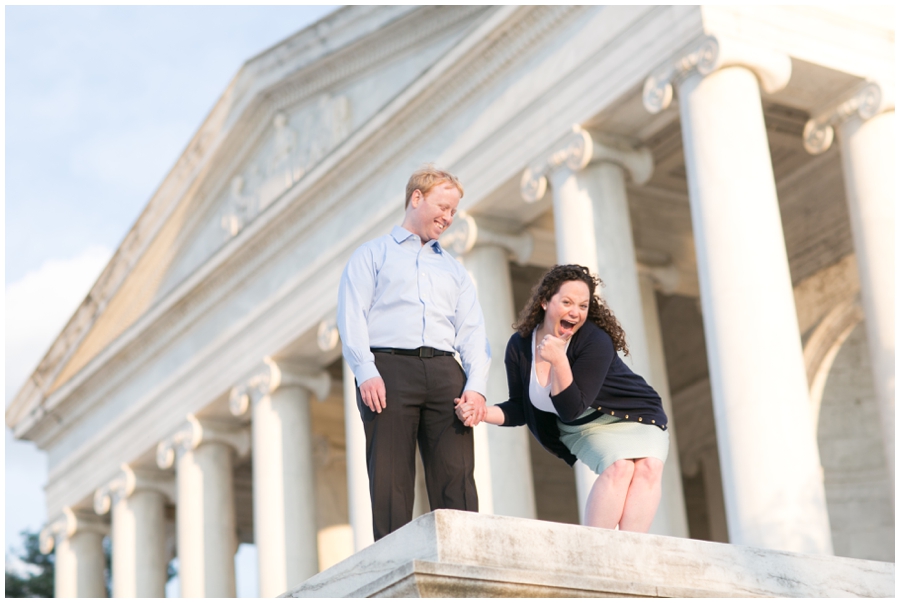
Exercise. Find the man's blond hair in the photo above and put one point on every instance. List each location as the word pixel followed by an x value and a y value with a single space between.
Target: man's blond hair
pixel 426 178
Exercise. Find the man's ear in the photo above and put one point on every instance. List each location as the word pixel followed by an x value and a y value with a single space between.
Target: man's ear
pixel 416 198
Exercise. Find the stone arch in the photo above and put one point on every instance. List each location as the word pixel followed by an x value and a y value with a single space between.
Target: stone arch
pixel 823 346
pixel 846 422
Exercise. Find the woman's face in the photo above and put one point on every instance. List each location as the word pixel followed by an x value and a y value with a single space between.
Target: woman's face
pixel 566 311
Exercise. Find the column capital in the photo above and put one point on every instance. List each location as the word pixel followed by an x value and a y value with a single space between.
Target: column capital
pixel 865 101
pixel 195 432
pixel 66 525
pixel 665 278
pixel 272 375
pixel 578 149
pixel 465 234
pixel 327 336
pixel 709 54
pixel 126 482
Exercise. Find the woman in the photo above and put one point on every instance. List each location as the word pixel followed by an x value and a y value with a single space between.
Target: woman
pixel 580 399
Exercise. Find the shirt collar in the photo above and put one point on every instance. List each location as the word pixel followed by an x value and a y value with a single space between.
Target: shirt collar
pixel 400 235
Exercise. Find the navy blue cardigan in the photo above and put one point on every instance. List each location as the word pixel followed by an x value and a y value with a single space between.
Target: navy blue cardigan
pixel 601 380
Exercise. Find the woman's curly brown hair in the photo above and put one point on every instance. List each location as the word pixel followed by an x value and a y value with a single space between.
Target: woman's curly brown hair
pixel 598 313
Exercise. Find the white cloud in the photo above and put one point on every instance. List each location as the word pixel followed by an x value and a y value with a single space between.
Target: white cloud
pixel 40 304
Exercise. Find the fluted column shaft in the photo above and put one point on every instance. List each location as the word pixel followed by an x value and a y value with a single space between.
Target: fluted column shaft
pixel 771 473
pixel 284 502
pixel 576 243
pixel 511 481
pixel 80 563
pixel 137 500
pixel 358 499
pixel 284 476
pixel 635 309
pixel 868 155
pixel 203 454
pixel 671 518
pixel 205 516
pixel 139 545
pixel 79 567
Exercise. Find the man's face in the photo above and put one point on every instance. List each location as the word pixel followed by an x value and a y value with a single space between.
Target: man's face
pixel 430 215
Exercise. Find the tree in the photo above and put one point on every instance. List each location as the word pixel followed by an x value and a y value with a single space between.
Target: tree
pixel 37 581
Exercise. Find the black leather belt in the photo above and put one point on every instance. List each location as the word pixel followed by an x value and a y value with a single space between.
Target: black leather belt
pixel 423 352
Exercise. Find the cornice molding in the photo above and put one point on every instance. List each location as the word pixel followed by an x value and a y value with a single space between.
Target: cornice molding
pixel 869 99
pixel 503 38
pixel 66 525
pixel 127 482
pixel 709 54
pixel 261 243
pixel 272 376
pixel 195 432
pixel 214 139
pixel 575 151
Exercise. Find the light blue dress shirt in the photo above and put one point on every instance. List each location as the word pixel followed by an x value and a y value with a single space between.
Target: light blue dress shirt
pixel 397 293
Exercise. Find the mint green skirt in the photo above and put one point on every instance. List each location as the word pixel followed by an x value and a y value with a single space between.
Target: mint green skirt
pixel 608 439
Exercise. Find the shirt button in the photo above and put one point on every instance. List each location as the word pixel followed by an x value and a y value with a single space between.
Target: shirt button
pixel 653 421
pixel 613 413
pixel 640 418
pixel 626 416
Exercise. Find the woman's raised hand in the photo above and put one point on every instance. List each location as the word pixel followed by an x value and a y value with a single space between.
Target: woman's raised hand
pixel 552 349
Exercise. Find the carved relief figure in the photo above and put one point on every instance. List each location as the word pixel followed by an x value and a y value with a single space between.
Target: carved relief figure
pixel 298 143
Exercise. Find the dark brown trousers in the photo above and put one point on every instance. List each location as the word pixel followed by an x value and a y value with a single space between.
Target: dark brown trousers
pixel 420 393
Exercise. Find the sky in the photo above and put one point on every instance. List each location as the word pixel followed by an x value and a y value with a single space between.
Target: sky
pixel 100 103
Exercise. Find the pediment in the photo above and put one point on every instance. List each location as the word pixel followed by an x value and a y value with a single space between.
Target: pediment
pixel 252 149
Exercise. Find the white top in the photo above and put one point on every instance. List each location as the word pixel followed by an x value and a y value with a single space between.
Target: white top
pixel 539 394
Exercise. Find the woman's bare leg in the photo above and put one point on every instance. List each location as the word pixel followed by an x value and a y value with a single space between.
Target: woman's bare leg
pixel 607 498
pixel 643 495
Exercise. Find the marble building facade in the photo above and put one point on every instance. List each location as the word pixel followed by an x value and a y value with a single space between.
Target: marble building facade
pixel 728 171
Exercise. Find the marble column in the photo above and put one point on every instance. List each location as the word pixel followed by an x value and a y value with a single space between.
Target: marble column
pixel 867 133
pixel 486 254
pixel 137 499
pixel 202 452
pixel 80 563
pixel 771 474
pixel 590 208
pixel 284 479
pixel 671 518
pixel 358 500
pixel 573 218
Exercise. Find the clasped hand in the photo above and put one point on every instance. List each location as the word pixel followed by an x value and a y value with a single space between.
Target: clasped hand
pixel 470 408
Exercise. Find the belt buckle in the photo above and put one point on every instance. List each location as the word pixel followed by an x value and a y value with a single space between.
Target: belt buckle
pixel 426 352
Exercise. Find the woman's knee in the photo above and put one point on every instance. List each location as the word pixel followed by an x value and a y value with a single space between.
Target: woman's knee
pixel 648 469
pixel 620 471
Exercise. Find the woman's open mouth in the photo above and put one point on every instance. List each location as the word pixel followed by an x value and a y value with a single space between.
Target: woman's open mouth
pixel 566 326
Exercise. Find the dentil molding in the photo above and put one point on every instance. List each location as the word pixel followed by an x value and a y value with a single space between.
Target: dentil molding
pixel 195 432
pixel 710 54
pixel 866 101
pixel 271 376
pixel 578 149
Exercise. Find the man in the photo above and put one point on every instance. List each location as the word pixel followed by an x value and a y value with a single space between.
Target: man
pixel 404 306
